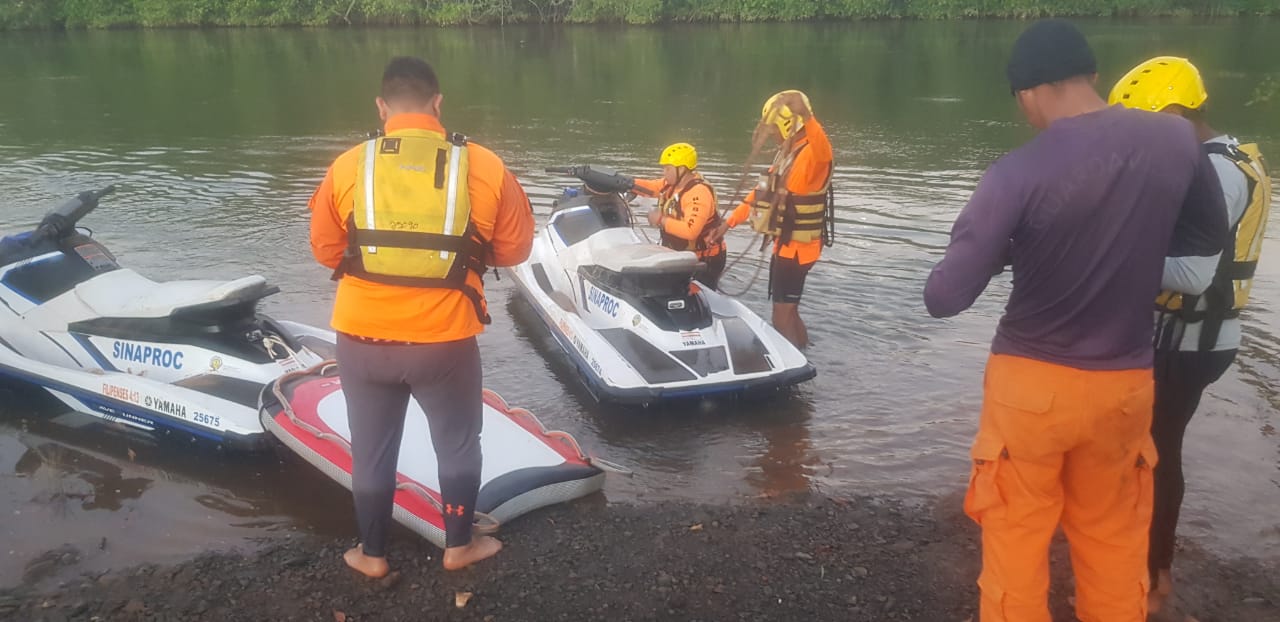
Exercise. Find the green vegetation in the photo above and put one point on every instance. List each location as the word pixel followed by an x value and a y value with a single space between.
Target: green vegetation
pixel 53 14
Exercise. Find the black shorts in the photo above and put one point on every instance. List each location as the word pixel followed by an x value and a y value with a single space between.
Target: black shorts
pixel 715 268
pixel 786 279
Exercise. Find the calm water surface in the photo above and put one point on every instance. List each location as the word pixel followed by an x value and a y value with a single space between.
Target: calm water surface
pixel 218 138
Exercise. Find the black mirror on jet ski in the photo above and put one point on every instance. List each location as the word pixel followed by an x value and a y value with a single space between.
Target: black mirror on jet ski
pixel 62 219
pixel 597 180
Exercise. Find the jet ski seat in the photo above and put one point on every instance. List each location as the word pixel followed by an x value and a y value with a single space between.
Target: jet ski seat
pixel 615 250
pixel 127 294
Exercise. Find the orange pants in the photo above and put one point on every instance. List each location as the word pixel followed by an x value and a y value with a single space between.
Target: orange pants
pixel 1063 445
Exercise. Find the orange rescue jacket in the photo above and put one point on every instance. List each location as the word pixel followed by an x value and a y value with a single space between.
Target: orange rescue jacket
pixel 809 173
pixel 502 216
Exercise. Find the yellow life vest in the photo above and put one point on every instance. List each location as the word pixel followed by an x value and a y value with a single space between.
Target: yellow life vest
pixel 1233 281
pixel 777 213
pixel 411 222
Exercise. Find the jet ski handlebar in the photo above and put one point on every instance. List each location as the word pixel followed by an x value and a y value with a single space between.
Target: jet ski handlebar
pixel 599 180
pixel 62 219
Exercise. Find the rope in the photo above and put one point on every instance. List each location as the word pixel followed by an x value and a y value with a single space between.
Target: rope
pixel 567 439
pixel 758 137
pixel 287 408
pixel 755 276
pixel 484 523
pixel 269 342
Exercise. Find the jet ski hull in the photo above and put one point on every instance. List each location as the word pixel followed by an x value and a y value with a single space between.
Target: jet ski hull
pixel 633 316
pixel 525 466
pixel 213 406
pixel 598 360
pixel 189 357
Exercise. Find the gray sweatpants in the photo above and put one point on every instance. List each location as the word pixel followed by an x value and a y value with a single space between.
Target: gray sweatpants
pixel 445 379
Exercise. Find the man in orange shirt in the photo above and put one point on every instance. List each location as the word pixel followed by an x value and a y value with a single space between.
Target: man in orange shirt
pixel 792 204
pixel 409 221
pixel 686 209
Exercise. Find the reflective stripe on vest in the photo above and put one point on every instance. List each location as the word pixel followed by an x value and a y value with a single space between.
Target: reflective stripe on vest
pixel 411 222
pixel 797 217
pixel 1233 281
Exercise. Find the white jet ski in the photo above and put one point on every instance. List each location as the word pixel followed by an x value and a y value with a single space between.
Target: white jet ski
pixel 186 357
pixel 631 315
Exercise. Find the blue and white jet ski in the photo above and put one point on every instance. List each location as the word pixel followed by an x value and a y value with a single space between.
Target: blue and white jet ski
pixel 632 316
pixel 187 357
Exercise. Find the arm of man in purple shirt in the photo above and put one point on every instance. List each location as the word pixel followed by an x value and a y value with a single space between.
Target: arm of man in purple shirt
pixel 979 246
pixel 980 238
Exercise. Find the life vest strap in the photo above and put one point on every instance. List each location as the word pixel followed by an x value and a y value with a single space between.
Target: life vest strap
pixel 416 240
pixel 472 294
pixel 1240 270
pixel 809 199
pixel 471 249
pixel 1228 151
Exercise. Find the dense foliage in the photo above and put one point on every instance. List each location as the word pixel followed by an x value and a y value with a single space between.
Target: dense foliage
pixel 44 14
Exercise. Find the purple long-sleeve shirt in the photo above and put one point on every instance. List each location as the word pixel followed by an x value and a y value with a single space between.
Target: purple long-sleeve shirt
pixel 1086 212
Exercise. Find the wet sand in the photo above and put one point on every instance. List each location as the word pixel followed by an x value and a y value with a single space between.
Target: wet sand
pixel 806 557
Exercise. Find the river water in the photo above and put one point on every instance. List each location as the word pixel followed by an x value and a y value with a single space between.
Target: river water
pixel 217 139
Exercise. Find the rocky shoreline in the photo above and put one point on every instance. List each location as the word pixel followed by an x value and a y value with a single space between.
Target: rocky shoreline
pixel 805 558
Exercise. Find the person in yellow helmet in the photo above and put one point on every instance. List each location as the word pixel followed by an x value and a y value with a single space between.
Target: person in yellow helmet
pixel 1198 313
pixel 686 209
pixel 792 204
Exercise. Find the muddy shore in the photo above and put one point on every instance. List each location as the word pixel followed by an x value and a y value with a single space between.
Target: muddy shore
pixel 803 558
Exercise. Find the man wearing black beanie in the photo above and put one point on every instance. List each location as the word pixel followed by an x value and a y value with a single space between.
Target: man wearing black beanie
pixel 1085 213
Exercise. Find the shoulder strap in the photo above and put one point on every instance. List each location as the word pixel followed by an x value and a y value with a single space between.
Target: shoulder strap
pixel 1229 151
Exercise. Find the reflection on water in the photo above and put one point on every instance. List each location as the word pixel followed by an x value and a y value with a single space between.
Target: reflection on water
pixel 78 499
pixel 60 468
pixel 219 138
pixel 786 462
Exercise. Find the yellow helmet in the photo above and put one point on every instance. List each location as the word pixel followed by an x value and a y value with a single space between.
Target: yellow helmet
pixel 1159 82
pixel 680 154
pixel 781 115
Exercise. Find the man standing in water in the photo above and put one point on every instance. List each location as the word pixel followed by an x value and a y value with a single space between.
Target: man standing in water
pixel 409 221
pixel 1198 314
pixel 686 209
pixel 1086 213
pixel 792 204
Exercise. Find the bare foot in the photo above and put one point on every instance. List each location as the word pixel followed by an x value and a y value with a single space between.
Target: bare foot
pixel 372 567
pixel 481 548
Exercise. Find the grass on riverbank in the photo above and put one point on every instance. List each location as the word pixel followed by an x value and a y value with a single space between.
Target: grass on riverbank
pixel 75 14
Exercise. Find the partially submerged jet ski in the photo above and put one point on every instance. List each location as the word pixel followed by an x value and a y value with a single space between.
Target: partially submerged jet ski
pixel 632 316
pixel 189 357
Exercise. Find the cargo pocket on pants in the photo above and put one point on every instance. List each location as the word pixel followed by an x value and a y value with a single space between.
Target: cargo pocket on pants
pixel 992 600
pixel 1145 466
pixel 984 499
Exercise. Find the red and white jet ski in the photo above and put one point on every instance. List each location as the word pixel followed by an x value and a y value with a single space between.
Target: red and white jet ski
pixel 526 467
